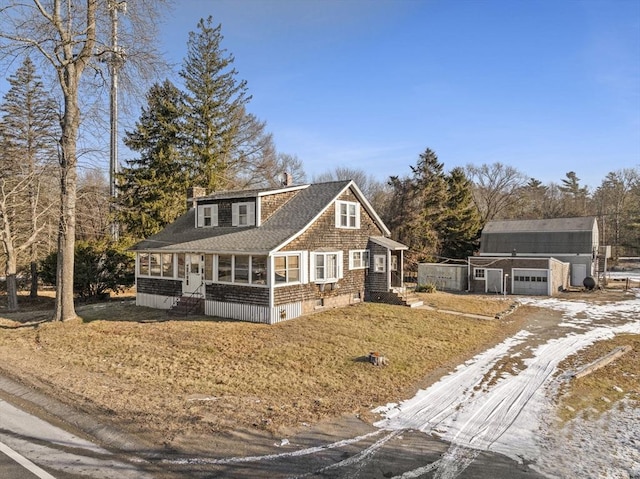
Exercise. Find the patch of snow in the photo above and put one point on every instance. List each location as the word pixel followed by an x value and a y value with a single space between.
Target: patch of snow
pixel 508 417
pixel 577 449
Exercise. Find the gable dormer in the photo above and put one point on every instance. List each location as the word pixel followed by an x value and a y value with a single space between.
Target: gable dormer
pixel 226 212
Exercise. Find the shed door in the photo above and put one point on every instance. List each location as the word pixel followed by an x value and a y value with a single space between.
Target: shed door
pixel 493 280
pixel 531 281
pixel 578 274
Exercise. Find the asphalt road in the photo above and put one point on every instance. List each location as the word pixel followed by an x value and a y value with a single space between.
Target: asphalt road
pixel 16 466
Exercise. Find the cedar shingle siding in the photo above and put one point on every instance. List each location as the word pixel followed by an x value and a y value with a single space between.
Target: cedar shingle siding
pixel 297 219
pixel 162 287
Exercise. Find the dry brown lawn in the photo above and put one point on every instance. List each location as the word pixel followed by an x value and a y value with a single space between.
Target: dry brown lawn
pixel 484 305
pixel 168 378
pixel 600 390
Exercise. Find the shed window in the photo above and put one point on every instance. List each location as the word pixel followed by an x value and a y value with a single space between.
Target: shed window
pixel 478 273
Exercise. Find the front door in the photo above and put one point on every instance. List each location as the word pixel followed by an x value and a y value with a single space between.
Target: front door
pixel 396 277
pixel 192 284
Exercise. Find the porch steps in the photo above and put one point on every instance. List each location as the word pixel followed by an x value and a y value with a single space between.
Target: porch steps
pixel 187 305
pixel 408 298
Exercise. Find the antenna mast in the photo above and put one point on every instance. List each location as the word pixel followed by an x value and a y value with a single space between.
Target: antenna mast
pixel 115 61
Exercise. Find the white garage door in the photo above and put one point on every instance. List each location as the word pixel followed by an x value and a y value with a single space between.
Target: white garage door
pixel 531 281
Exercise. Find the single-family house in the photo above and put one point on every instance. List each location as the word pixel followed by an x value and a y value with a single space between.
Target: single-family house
pixel 538 257
pixel 268 255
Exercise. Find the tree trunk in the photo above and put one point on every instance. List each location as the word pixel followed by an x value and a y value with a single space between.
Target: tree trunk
pixel 12 292
pixel 12 284
pixel 64 307
pixel 34 280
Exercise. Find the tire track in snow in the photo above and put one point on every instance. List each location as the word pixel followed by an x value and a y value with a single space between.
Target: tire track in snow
pixel 504 417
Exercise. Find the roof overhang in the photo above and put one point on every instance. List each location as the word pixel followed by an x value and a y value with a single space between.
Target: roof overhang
pixel 388 243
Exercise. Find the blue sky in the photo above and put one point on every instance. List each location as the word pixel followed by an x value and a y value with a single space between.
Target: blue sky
pixel 547 87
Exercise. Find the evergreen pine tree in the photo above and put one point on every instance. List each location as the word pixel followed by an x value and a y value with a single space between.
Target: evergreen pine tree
pixel 460 226
pixel 575 195
pixel 215 100
pixel 417 208
pixel 430 190
pixel 29 129
pixel 152 187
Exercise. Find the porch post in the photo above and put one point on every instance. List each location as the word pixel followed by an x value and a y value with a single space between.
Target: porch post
pixel 389 275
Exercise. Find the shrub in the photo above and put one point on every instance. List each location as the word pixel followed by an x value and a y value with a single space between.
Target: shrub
pixel 100 267
pixel 426 288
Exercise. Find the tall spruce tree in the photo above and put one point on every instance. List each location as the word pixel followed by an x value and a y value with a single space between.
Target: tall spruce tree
pixel 29 129
pixel 215 100
pixel 153 186
pixel 418 206
pixel 460 226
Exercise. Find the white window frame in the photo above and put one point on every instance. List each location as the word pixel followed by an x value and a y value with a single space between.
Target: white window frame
pixel 325 255
pixel 358 259
pixel 245 219
pixel 394 263
pixel 480 274
pixel 301 268
pixel 351 217
pixel 160 266
pixel 202 216
pixel 380 263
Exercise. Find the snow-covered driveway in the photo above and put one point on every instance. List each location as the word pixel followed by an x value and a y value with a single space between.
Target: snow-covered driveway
pixel 485 406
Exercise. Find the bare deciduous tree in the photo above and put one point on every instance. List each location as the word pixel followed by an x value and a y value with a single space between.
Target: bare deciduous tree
pixel 497 188
pixel 69 37
pixel 17 194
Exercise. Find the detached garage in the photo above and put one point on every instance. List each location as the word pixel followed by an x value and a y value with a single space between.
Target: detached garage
pixel 531 282
pixel 518 275
pixel 570 240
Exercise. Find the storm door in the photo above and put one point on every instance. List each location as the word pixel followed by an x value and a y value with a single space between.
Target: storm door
pixel 194 270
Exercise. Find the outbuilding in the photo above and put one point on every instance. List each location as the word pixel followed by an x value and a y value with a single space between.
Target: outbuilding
pixel 538 257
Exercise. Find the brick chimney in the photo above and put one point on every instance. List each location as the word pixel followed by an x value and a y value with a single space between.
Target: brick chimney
pixel 288 179
pixel 193 194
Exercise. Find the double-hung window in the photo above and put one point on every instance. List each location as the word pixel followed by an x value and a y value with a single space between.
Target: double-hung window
pixel 243 214
pixel 207 216
pixel 358 259
pixel 326 267
pixel 347 214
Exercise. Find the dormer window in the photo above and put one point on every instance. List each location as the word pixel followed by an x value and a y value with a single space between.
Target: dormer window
pixel 207 216
pixel 243 214
pixel 347 214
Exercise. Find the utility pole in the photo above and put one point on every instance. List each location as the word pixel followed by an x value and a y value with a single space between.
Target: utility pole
pixel 115 61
